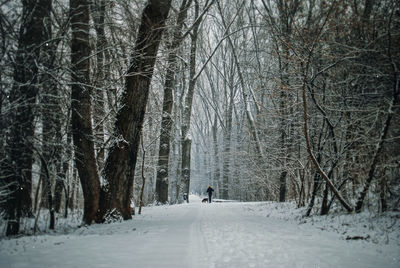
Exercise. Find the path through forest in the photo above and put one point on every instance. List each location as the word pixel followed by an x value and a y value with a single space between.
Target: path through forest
pixel 229 234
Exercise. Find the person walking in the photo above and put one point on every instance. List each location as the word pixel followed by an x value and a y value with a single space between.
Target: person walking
pixel 209 191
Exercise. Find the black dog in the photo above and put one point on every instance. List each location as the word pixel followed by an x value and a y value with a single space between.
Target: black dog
pixel 205 200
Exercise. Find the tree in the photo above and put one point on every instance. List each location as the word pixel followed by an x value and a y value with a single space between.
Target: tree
pixel 187 110
pixel 99 10
pixel 16 170
pixel 121 161
pixel 51 153
pixel 166 120
pixel 392 104
pixel 82 128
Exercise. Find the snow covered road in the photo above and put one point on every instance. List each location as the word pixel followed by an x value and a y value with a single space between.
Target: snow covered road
pixel 198 235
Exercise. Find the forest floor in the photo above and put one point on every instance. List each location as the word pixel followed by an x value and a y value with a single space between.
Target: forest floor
pixel 226 234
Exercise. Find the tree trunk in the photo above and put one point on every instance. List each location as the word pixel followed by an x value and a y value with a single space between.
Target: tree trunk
pixel 282 186
pixel 287 12
pixel 65 171
pixel 99 79
pixel 47 190
pixel 52 115
pixel 120 163
pixel 185 173
pixel 324 204
pixel 302 188
pixel 382 192
pixel 227 147
pixel 283 98
pixel 283 135
pixel 16 169
pixel 73 193
pixel 63 156
pixel 217 173
pixel 143 184
pixel 81 109
pixel 58 190
pixel 316 186
pixel 166 121
pixel 187 113
pixel 178 151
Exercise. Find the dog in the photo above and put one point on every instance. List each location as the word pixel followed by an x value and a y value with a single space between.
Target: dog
pixel 205 200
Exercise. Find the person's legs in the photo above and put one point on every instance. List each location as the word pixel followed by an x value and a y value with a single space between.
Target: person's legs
pixel 209 198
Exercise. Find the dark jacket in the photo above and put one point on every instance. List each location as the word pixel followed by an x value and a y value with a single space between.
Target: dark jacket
pixel 210 190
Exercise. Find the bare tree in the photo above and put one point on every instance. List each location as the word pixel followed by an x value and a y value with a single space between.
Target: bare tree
pixel 187 110
pixel 166 120
pixel 389 114
pixel 98 14
pixel 120 163
pixel 16 170
pixel 82 128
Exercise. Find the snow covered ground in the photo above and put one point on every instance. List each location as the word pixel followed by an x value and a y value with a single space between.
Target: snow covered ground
pixel 230 234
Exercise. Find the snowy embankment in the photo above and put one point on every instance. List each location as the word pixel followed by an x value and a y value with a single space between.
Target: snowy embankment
pixel 216 235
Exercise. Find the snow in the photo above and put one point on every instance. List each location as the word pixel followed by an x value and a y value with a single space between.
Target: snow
pixel 223 234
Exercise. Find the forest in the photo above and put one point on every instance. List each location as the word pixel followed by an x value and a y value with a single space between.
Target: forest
pixel 110 105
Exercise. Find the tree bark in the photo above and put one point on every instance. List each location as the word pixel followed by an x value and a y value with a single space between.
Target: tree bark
pixel 217 173
pixel 227 144
pixel 99 79
pixel 52 116
pixel 185 173
pixel 166 120
pixel 187 113
pixel 143 184
pixel 382 193
pixel 324 203
pixel 316 186
pixel 120 163
pixel 16 169
pixel 47 190
pixel 81 109
pixel 58 190
pixel 282 186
